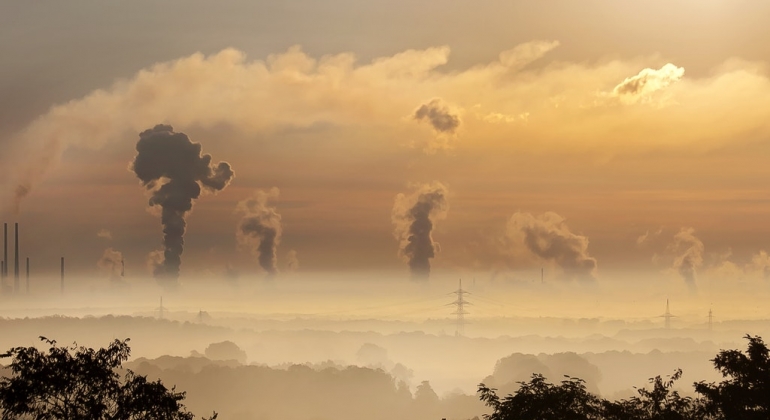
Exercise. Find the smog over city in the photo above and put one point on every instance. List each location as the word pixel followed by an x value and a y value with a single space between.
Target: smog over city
pixel 376 209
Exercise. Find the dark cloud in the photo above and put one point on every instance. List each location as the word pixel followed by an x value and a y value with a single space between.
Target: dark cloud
pixel 260 228
pixel 548 238
pixel 438 114
pixel 414 216
pixel 173 169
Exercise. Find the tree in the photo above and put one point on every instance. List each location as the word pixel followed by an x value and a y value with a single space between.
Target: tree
pixel 746 394
pixel 539 399
pixel 79 383
pixel 659 403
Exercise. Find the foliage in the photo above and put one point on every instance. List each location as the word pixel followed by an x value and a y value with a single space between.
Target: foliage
pixel 538 399
pixel 79 383
pixel 659 403
pixel 746 394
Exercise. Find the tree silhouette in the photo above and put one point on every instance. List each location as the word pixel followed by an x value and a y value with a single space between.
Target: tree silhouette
pixel 539 399
pixel 79 383
pixel 746 394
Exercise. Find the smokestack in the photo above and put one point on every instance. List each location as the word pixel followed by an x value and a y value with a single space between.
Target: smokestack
pixel 173 169
pixel 27 275
pixel 62 275
pixel 16 260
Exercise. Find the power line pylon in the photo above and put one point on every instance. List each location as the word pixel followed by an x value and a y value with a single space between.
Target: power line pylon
pixel 711 320
pixel 667 316
pixel 460 311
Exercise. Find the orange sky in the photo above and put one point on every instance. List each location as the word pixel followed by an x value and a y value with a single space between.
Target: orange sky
pixel 582 128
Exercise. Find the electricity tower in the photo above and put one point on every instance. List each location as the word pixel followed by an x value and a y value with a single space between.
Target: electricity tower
pixel 460 311
pixel 667 316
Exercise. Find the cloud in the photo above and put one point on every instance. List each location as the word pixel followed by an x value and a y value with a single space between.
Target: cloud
pixel 547 238
pixel 414 217
pixel 648 237
pixel 173 170
pixel 438 114
pixel 687 250
pixel 260 228
pixel 105 234
pixel 292 89
pixel 648 81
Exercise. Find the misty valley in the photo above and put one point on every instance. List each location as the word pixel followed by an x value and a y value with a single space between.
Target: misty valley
pixel 250 353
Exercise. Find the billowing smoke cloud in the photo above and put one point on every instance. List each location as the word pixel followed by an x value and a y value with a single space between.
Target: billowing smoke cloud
pixel 111 262
pixel 172 168
pixel 547 237
pixel 636 88
pixel 437 113
pixel 260 228
pixel 414 216
pixel 688 254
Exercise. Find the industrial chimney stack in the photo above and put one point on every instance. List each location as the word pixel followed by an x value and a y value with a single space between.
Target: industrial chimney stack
pixel 27 275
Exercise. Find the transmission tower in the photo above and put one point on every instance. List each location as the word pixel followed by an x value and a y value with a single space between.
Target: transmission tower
pixel 667 316
pixel 711 320
pixel 460 311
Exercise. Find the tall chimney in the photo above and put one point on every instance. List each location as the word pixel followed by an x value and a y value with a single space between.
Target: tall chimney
pixel 16 261
pixel 27 275
pixel 62 275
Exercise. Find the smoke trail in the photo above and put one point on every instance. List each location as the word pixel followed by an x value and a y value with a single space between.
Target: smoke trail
pixel 173 169
pixel 548 238
pixel 292 262
pixel 414 217
pixel 260 228
pixel 688 252
pixel 111 262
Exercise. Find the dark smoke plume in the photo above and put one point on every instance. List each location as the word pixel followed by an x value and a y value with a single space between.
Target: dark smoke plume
pixel 548 238
pixel 260 228
pixel 438 114
pixel 414 216
pixel 172 168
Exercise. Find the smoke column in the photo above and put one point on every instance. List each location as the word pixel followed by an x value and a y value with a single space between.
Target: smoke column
pixel 414 217
pixel 260 228
pixel 172 168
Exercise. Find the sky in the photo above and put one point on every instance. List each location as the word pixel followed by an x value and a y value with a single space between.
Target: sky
pixel 417 138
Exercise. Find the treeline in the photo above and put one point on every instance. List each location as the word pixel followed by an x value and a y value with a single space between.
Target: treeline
pixel 744 394
pixel 299 392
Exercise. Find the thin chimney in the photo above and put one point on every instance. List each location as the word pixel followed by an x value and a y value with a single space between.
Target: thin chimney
pixel 16 260
pixel 27 275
